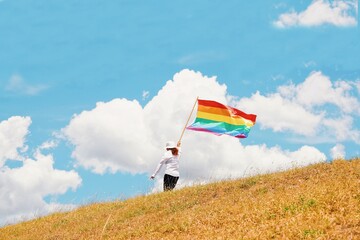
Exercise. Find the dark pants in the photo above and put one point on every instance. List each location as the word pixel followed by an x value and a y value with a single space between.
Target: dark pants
pixel 170 182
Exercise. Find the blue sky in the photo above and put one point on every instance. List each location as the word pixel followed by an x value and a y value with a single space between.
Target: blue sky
pixel 90 91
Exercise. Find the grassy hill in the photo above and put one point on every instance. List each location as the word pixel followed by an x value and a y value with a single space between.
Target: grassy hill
pixel 321 201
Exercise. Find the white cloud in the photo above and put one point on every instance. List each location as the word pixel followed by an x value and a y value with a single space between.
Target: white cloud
pixel 281 114
pixel 342 129
pixel 317 90
pixel 109 134
pixel 122 136
pixel 49 144
pixel 342 13
pixel 316 108
pixel 17 85
pixel 12 138
pixel 338 151
pixel 22 189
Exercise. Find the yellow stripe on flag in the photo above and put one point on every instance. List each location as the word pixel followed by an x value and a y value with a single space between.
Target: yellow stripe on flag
pixel 221 118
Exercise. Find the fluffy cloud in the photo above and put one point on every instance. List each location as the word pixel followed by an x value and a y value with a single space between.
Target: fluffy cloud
pixel 22 189
pixel 281 114
pixel 342 129
pixel 308 93
pixel 315 107
pixel 341 13
pixel 113 137
pixel 12 137
pixel 123 136
pixel 338 151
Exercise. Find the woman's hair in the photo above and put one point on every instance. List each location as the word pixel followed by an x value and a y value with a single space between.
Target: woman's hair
pixel 174 151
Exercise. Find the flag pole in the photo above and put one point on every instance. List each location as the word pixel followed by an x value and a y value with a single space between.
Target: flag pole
pixel 188 119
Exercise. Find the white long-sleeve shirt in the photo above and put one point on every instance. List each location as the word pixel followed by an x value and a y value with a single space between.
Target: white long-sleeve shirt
pixel 171 162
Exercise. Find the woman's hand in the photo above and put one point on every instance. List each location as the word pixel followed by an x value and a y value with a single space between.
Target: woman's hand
pixel 178 144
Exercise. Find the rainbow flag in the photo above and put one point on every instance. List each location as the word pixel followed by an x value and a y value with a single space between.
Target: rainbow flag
pixel 216 118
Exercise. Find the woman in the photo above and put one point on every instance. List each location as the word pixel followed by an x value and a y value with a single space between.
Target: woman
pixel 171 160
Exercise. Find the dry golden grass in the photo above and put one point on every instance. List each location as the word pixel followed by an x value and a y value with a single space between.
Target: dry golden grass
pixel 316 202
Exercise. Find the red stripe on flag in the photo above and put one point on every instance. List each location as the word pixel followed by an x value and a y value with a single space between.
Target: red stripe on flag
pixel 233 111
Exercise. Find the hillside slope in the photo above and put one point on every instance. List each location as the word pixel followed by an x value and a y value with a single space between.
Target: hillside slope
pixel 316 202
